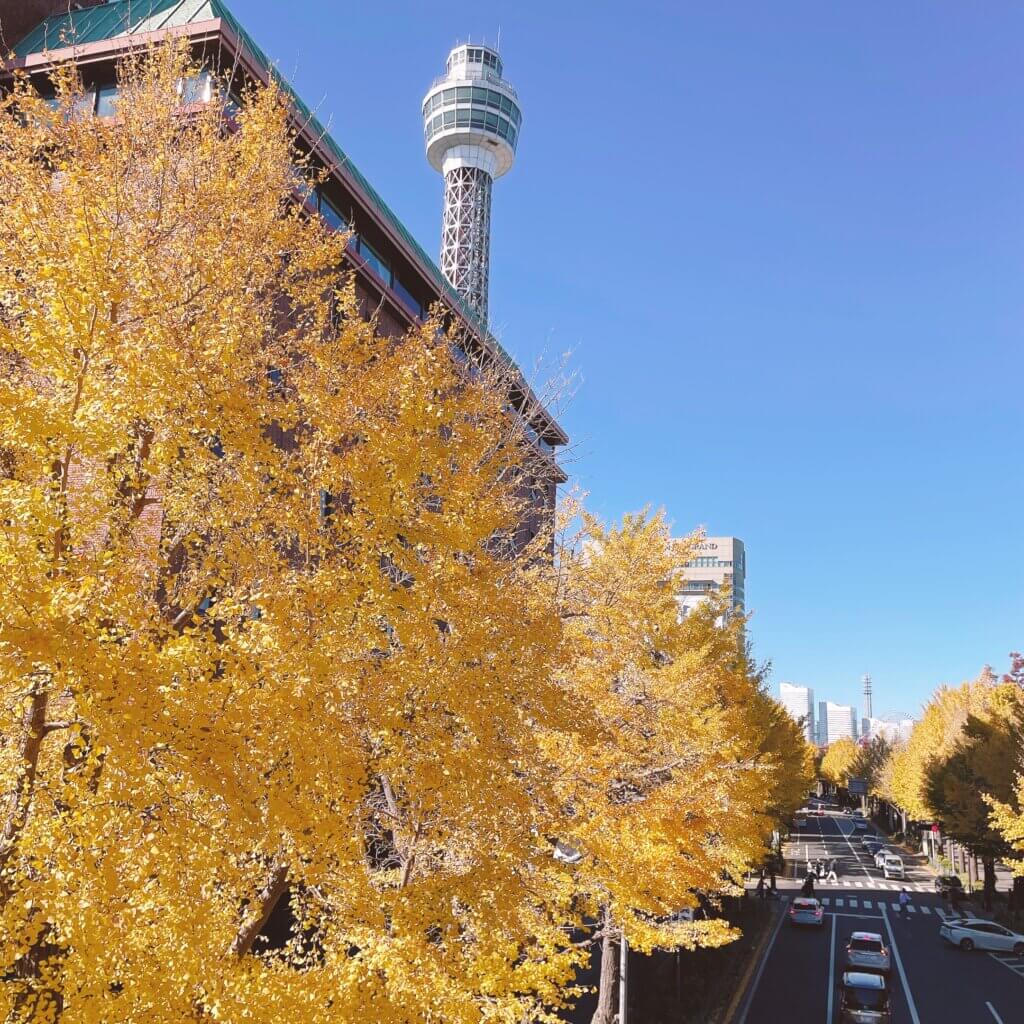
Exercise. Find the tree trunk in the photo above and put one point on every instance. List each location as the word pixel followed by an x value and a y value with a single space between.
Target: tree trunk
pixel 989 864
pixel 605 1012
pixel 19 799
pixel 264 907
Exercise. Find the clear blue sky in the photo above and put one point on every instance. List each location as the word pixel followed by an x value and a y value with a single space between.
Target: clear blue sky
pixel 784 243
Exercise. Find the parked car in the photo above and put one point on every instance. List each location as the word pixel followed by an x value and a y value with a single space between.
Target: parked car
pixel 867 952
pixel 947 883
pixel 892 867
pixel 975 933
pixel 863 999
pixel 860 825
pixel 805 910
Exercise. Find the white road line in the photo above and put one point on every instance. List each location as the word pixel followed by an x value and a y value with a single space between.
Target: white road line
pixel 831 972
pixel 867 904
pixel 895 906
pixel 926 910
pixel 760 970
pixel 860 885
pixel 941 913
pixel 911 908
pixel 899 966
pixel 991 1009
pixel 825 902
pixel 853 903
pixel 840 903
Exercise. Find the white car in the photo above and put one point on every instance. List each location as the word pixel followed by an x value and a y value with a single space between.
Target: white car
pixel 804 910
pixel 975 933
pixel 892 866
pixel 867 952
pixel 880 856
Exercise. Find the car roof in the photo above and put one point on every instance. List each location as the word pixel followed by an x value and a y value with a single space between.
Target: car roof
pixel 866 935
pixel 858 979
pixel 804 901
pixel 893 856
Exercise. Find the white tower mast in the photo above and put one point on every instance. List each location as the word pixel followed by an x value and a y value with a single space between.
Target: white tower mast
pixel 471 121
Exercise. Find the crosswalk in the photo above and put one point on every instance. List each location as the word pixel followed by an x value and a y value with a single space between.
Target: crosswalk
pixel 849 903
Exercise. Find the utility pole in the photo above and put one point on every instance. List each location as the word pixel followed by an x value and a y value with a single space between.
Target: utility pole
pixel 623 960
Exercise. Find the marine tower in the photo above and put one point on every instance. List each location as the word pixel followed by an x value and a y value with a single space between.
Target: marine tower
pixel 471 121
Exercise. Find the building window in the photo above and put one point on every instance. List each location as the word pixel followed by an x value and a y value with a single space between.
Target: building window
pixel 376 261
pixel 106 100
pixel 331 214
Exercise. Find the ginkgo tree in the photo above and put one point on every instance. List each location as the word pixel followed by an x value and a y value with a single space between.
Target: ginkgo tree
pixel 272 643
pixel 839 760
pixel 264 637
pixel 669 795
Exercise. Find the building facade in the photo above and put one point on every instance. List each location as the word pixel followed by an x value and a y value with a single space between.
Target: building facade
pixel 718 563
pixel 799 703
pixel 836 722
pixel 396 280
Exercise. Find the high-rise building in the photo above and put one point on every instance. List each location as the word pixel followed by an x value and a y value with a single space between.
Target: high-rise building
pixel 836 721
pixel 471 121
pixel 896 728
pixel 717 563
pixel 799 702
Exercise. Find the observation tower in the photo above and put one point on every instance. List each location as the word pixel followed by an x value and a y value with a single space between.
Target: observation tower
pixel 471 121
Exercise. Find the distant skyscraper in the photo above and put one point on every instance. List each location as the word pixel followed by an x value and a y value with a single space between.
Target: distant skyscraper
pixel 717 562
pixel 895 727
pixel 799 702
pixel 836 721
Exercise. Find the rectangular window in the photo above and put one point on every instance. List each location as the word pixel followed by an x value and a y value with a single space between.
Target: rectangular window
pixel 462 117
pixel 106 100
pixel 477 120
pixel 449 118
pixel 408 298
pixel 331 214
pixel 479 95
pixel 448 96
pixel 195 88
pixel 492 121
pixel 464 92
pixel 376 261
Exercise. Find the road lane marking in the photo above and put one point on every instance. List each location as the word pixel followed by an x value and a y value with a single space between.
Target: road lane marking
pixel 926 910
pixel 867 904
pixel 992 1010
pixel 860 885
pixel 760 970
pixel 899 966
pixel 941 913
pixel 831 972
pixel 912 908
pixel 853 903
pixel 825 902
pixel 840 903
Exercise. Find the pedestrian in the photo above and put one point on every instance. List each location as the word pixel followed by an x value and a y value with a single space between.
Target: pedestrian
pixel 832 876
pixel 760 886
pixel 904 901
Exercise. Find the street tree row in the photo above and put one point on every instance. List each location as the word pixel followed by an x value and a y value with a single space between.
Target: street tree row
pixel 294 726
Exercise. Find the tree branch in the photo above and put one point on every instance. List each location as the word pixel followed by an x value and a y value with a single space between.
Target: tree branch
pixel 251 926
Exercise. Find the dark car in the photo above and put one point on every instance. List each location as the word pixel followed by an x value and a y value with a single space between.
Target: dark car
pixel 860 825
pixel 863 999
pixel 946 884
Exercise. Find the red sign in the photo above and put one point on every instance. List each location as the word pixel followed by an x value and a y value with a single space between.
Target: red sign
pixel 935 828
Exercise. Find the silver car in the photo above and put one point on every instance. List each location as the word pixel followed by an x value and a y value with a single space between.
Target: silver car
pixel 867 952
pixel 975 933
pixel 805 910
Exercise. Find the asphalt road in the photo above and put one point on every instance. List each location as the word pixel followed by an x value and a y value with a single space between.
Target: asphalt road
pixel 931 982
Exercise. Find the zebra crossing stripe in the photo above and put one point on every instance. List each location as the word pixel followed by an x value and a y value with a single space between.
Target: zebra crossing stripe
pixel 941 913
pixel 825 902
pixel 926 910
pixel 911 908
pixel 840 903
pixel 853 903
pixel 895 906
pixel 867 904
pixel 860 885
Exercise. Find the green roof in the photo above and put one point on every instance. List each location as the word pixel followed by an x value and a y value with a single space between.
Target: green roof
pixel 117 18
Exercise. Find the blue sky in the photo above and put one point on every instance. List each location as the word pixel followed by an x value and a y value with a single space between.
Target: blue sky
pixel 783 244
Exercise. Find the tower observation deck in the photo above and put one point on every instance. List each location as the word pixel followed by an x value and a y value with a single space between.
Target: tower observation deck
pixel 471 121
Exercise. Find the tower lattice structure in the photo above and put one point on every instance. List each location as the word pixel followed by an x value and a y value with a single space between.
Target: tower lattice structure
pixel 471 122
